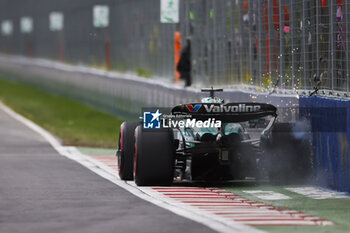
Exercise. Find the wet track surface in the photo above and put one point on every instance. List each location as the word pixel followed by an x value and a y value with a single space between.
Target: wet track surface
pixel 224 205
pixel 41 191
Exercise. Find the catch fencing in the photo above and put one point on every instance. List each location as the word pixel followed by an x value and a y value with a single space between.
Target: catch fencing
pixel 290 44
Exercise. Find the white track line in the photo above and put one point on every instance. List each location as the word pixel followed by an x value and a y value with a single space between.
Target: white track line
pixel 319 193
pixel 213 222
pixel 267 195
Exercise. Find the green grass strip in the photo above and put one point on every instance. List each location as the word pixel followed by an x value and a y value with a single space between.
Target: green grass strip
pixel 74 123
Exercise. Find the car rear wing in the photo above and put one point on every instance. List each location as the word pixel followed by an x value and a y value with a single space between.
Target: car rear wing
pixel 230 112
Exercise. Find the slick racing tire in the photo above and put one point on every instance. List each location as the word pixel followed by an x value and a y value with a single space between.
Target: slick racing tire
pixel 154 157
pixel 126 150
pixel 288 154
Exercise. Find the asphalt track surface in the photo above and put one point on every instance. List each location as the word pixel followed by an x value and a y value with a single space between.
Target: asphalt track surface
pixel 42 191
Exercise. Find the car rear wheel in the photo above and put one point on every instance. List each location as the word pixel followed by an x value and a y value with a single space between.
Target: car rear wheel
pixel 154 157
pixel 126 150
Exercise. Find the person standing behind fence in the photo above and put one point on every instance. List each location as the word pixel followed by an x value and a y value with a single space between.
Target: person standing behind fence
pixel 184 66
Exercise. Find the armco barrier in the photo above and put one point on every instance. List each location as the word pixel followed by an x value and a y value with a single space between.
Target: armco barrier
pixel 121 94
pixel 330 139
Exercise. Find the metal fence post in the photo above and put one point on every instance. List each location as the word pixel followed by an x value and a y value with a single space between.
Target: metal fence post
pixel 347 44
pixel 251 40
pixel 208 42
pixel 303 43
pixel 281 55
pixel 215 36
pixel 258 81
pixel 294 51
pixel 233 43
pixel 332 34
pixel 241 50
pixel 271 39
pixel 317 27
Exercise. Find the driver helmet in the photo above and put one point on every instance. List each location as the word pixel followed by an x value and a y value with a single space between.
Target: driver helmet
pixel 210 100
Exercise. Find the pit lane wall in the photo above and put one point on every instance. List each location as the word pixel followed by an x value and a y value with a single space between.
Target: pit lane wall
pixel 330 124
